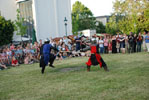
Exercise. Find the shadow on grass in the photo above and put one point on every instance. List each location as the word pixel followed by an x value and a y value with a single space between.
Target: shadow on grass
pixel 69 69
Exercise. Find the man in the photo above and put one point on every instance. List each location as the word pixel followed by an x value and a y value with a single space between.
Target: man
pixel 147 41
pixel 78 43
pixel 131 42
pixel 46 55
pixel 139 42
pixel 95 57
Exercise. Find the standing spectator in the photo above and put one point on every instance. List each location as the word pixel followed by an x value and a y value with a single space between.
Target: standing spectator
pixel 78 42
pixel 126 42
pixel 122 44
pixel 139 42
pixel 134 42
pixel 147 41
pixel 110 44
pixel 40 43
pixel 118 43
pixel 66 40
pixel 83 45
pixel 105 45
pixel 143 44
pixel 69 46
pixel 114 49
pixel 130 41
pixel 101 45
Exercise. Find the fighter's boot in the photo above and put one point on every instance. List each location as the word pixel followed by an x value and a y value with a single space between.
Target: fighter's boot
pixel 88 68
pixel 106 68
pixel 50 65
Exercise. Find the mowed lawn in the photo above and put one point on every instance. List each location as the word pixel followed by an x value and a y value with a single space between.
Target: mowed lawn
pixel 128 79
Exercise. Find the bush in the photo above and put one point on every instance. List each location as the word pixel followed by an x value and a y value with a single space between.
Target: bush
pixel 6 31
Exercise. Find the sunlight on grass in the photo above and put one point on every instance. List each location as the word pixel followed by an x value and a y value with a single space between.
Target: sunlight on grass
pixel 127 80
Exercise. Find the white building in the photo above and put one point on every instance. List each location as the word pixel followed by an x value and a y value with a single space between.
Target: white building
pixel 103 19
pixel 47 16
pixel 88 32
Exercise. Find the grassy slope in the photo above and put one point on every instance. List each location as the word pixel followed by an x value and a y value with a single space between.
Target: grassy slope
pixel 128 79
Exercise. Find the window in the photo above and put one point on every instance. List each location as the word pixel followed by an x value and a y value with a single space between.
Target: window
pixel 25 8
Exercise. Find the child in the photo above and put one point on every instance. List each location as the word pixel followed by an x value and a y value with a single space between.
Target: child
pixel 14 62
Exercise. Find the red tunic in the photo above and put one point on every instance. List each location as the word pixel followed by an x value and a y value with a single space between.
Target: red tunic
pixel 98 57
pixel 14 62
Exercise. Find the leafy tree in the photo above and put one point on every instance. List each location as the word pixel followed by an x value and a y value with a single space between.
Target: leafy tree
pixel 112 26
pixel 20 27
pixel 82 18
pixel 100 28
pixel 133 16
pixel 6 31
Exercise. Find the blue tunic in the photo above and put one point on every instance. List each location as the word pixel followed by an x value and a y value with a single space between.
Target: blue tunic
pixel 46 53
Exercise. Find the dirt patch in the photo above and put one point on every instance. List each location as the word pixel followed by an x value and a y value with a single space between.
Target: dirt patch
pixel 70 69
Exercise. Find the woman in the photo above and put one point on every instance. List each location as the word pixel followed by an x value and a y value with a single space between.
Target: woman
pixel 114 49
pixel 101 45
pixel 139 42
pixel 105 45
pixel 110 44
pixel 118 44
pixel 122 44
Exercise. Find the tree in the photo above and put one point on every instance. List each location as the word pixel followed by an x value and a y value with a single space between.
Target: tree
pixel 6 31
pixel 112 26
pixel 82 18
pixel 100 28
pixel 20 27
pixel 133 16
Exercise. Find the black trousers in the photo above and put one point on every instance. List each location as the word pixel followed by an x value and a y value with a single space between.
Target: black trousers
pixel 103 63
pixel 51 61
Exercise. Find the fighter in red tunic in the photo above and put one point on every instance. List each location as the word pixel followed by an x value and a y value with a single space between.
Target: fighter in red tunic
pixel 95 58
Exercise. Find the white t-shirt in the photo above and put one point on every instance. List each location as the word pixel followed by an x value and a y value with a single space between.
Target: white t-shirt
pixel 101 43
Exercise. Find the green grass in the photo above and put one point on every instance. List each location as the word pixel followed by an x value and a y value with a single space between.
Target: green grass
pixel 128 79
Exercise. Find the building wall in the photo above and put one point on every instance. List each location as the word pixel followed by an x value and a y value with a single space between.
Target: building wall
pixel 103 19
pixel 49 18
pixel 45 25
pixel 64 10
pixel 8 9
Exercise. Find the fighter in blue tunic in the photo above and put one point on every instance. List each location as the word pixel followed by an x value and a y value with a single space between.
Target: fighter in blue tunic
pixel 46 55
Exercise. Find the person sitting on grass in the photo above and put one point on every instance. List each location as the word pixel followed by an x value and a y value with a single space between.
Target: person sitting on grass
pixel 2 66
pixel 14 62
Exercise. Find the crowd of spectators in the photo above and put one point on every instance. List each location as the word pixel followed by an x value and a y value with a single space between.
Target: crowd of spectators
pixel 72 46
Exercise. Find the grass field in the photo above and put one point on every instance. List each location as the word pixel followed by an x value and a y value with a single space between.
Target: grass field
pixel 128 79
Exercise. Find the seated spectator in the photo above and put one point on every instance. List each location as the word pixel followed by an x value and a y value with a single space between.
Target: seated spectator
pixel 12 47
pixel 14 62
pixel 26 60
pixel 59 56
pixel 2 66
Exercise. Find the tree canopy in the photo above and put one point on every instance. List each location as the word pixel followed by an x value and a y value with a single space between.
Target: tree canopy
pixel 82 18
pixel 130 16
pixel 6 31
pixel 20 27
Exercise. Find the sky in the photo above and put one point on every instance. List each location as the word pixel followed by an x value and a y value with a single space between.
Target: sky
pixel 98 7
